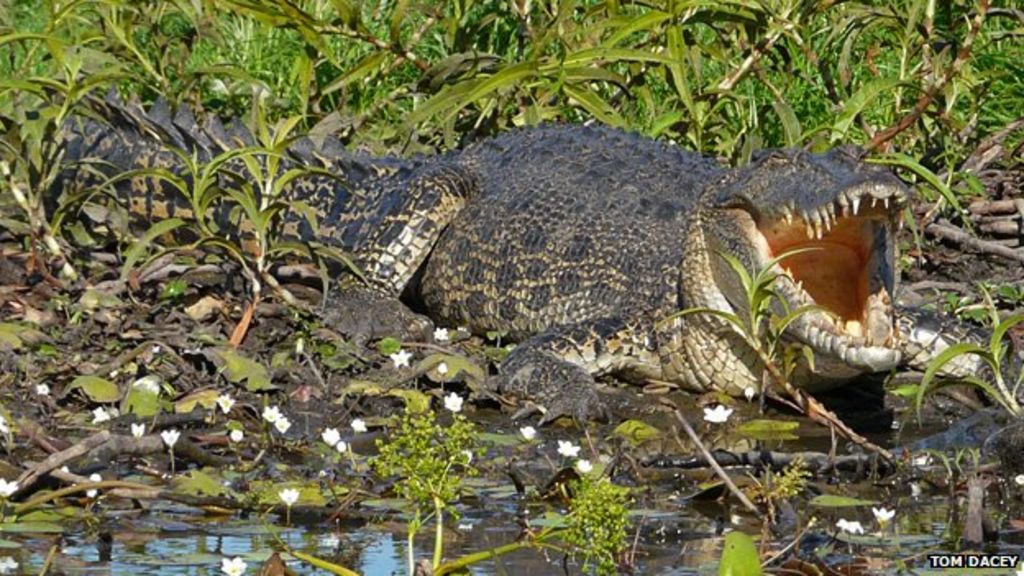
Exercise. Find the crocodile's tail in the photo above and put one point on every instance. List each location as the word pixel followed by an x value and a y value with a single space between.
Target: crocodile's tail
pixel 385 212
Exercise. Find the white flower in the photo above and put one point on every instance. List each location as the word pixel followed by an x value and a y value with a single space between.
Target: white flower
pixel 7 488
pixel 442 368
pixel 93 492
pixel 155 349
pixel 236 435
pixel 282 424
pixel 100 415
pixel 568 449
pixel 749 393
pixel 170 437
pixel 42 390
pixel 1019 479
pixel 453 402
pixel 3 425
pixel 149 384
pixel 289 496
pixel 528 432
pixel 138 430
pixel 8 565
pixel 441 335
pixel 883 515
pixel 358 426
pixel 851 527
pixel 717 415
pixel 225 402
pixel 401 358
pixel 331 436
pixel 233 567
pixel 922 460
pixel 469 455
pixel 341 446
pixel 584 466
pixel 915 490
pixel 271 414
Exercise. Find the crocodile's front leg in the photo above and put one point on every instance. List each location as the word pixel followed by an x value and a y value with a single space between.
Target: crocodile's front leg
pixel 556 369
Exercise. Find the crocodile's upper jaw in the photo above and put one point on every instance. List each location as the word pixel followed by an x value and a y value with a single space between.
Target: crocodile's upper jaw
pixel 841 260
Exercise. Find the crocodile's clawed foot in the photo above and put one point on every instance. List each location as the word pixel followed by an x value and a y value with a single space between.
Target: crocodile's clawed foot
pixel 362 316
pixel 551 386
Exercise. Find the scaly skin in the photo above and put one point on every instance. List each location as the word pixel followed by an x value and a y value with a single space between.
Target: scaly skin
pixel 578 241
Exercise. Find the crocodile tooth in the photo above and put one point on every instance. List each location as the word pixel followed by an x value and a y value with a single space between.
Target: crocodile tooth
pixel 873 201
pixel 831 208
pixel 844 205
pixel 807 222
pixel 826 217
pixel 885 202
pixel 787 214
pixel 817 226
pixel 856 205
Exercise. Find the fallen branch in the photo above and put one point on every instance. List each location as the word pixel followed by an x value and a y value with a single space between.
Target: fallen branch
pixel 29 478
pixel 820 463
pixel 714 463
pixel 946 231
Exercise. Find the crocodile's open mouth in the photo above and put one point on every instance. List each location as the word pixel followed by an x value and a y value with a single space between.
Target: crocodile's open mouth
pixel 840 258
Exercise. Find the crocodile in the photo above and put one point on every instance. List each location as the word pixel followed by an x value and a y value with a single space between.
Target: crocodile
pixel 582 242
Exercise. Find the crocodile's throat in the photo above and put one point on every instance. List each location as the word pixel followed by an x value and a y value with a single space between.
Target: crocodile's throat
pixel 839 257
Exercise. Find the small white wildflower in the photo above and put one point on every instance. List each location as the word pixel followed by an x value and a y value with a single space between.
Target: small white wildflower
pixel 441 335
pixel 42 390
pixel 358 426
pixel 1019 479
pixel 331 436
pixel 7 564
pixel 289 496
pixel 568 449
pixel 155 349
pixel 225 402
pixel 718 415
pixel 883 515
pixel 233 566
pixel 236 435
pixel 528 432
pixel 7 488
pixel 749 393
pixel 4 428
pixel 453 402
pixel 584 466
pixel 282 424
pixel 341 446
pixel 138 430
pixel 915 490
pixel 922 460
pixel 442 368
pixel 93 492
pixel 401 358
pixel 271 414
pixel 170 437
pixel 300 346
pixel 65 469
pixel 469 455
pixel 150 384
pixel 853 527
pixel 100 415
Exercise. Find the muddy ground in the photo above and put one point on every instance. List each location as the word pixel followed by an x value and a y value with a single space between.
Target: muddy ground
pixel 169 324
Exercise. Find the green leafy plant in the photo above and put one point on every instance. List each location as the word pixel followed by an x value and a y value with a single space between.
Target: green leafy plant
pixel 430 461
pixel 597 522
pixel 996 355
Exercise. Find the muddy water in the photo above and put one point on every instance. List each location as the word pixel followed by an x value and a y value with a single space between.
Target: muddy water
pixel 677 534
